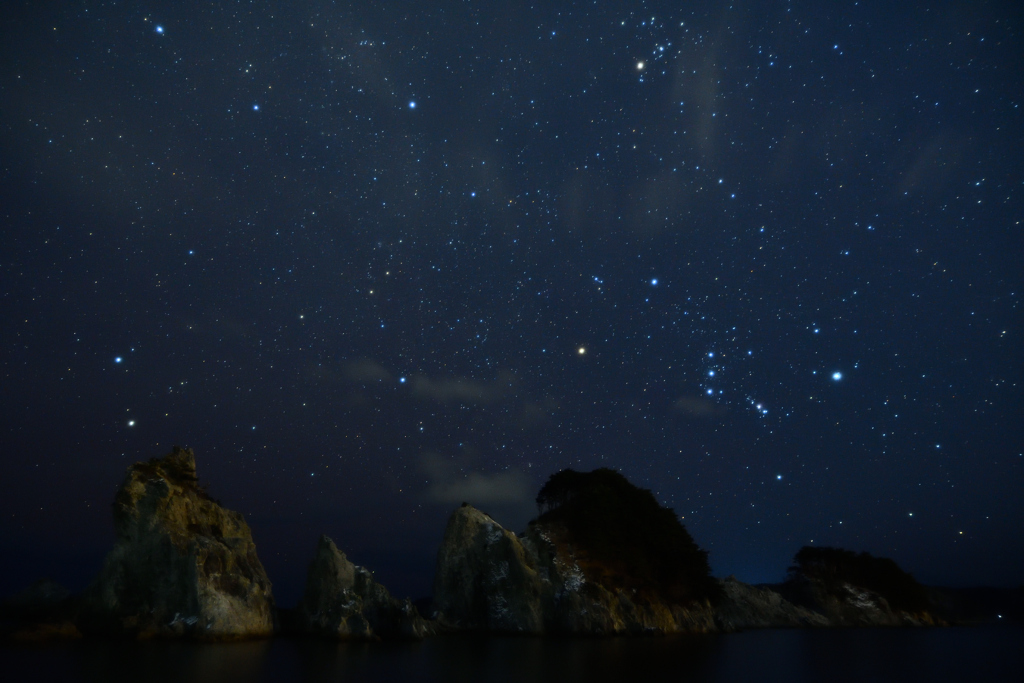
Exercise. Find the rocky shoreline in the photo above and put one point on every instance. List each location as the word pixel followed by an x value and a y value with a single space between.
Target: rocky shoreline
pixel 184 567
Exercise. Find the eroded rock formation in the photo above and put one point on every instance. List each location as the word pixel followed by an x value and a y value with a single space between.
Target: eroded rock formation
pixel 342 600
pixel 857 589
pixel 486 579
pixel 845 604
pixel 745 607
pixel 489 579
pixel 182 565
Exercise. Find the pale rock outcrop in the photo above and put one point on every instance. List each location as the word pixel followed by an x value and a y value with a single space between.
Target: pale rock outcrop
pixel 486 579
pixel 845 604
pixel 491 580
pixel 745 607
pixel 181 565
pixel 342 600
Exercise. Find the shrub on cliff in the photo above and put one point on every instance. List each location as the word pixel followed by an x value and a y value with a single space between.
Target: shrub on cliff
pixel 624 538
pixel 833 566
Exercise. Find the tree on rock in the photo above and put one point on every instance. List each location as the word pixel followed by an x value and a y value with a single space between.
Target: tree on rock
pixel 623 538
pixel 833 566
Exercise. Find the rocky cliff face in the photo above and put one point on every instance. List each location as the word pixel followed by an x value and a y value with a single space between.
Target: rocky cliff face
pixel 486 579
pixel 490 579
pixel 845 604
pixel 745 607
pixel 182 565
pixel 342 600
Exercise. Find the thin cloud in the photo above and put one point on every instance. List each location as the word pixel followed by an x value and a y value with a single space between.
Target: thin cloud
pixel 463 389
pixel 697 406
pixel 366 370
pixel 449 485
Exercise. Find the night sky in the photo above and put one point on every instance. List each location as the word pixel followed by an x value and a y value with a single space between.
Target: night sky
pixel 371 260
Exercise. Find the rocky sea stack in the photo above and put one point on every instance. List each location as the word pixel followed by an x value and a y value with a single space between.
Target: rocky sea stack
pixel 852 589
pixel 182 565
pixel 342 600
pixel 603 558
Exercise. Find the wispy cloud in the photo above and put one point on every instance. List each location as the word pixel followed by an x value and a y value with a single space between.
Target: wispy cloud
pixel 366 370
pixel 463 389
pixel 697 406
pixel 450 484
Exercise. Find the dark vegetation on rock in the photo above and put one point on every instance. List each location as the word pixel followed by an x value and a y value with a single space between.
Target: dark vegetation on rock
pixel 45 610
pixel 624 539
pixel 834 567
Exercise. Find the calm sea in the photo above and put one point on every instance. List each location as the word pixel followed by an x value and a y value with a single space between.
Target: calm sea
pixel 948 654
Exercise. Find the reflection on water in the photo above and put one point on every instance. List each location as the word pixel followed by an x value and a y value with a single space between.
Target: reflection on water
pixel 951 654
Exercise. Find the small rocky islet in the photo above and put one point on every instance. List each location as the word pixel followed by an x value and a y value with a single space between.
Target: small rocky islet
pixel 603 558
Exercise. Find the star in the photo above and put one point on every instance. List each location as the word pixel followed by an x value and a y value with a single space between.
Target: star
pixel 837 376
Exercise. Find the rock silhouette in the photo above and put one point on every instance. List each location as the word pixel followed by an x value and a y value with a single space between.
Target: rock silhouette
pixel 342 600
pixel 182 565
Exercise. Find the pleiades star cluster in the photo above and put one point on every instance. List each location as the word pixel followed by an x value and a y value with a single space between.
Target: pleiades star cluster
pixel 372 260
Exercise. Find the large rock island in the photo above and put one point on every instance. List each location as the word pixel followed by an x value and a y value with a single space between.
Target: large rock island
pixel 852 589
pixel 604 558
pixel 182 565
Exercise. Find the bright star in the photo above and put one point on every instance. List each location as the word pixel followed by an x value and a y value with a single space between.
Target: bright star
pixel 581 350
pixel 779 477
pixel 654 282
pixel 118 359
pixel 837 376
pixel 159 28
pixel 412 104
pixel 255 107
pixel 401 380
pixel 711 373
pixel 639 66
pixel 711 392
pixel 131 423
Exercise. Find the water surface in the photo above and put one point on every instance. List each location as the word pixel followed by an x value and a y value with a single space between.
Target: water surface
pixel 947 654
